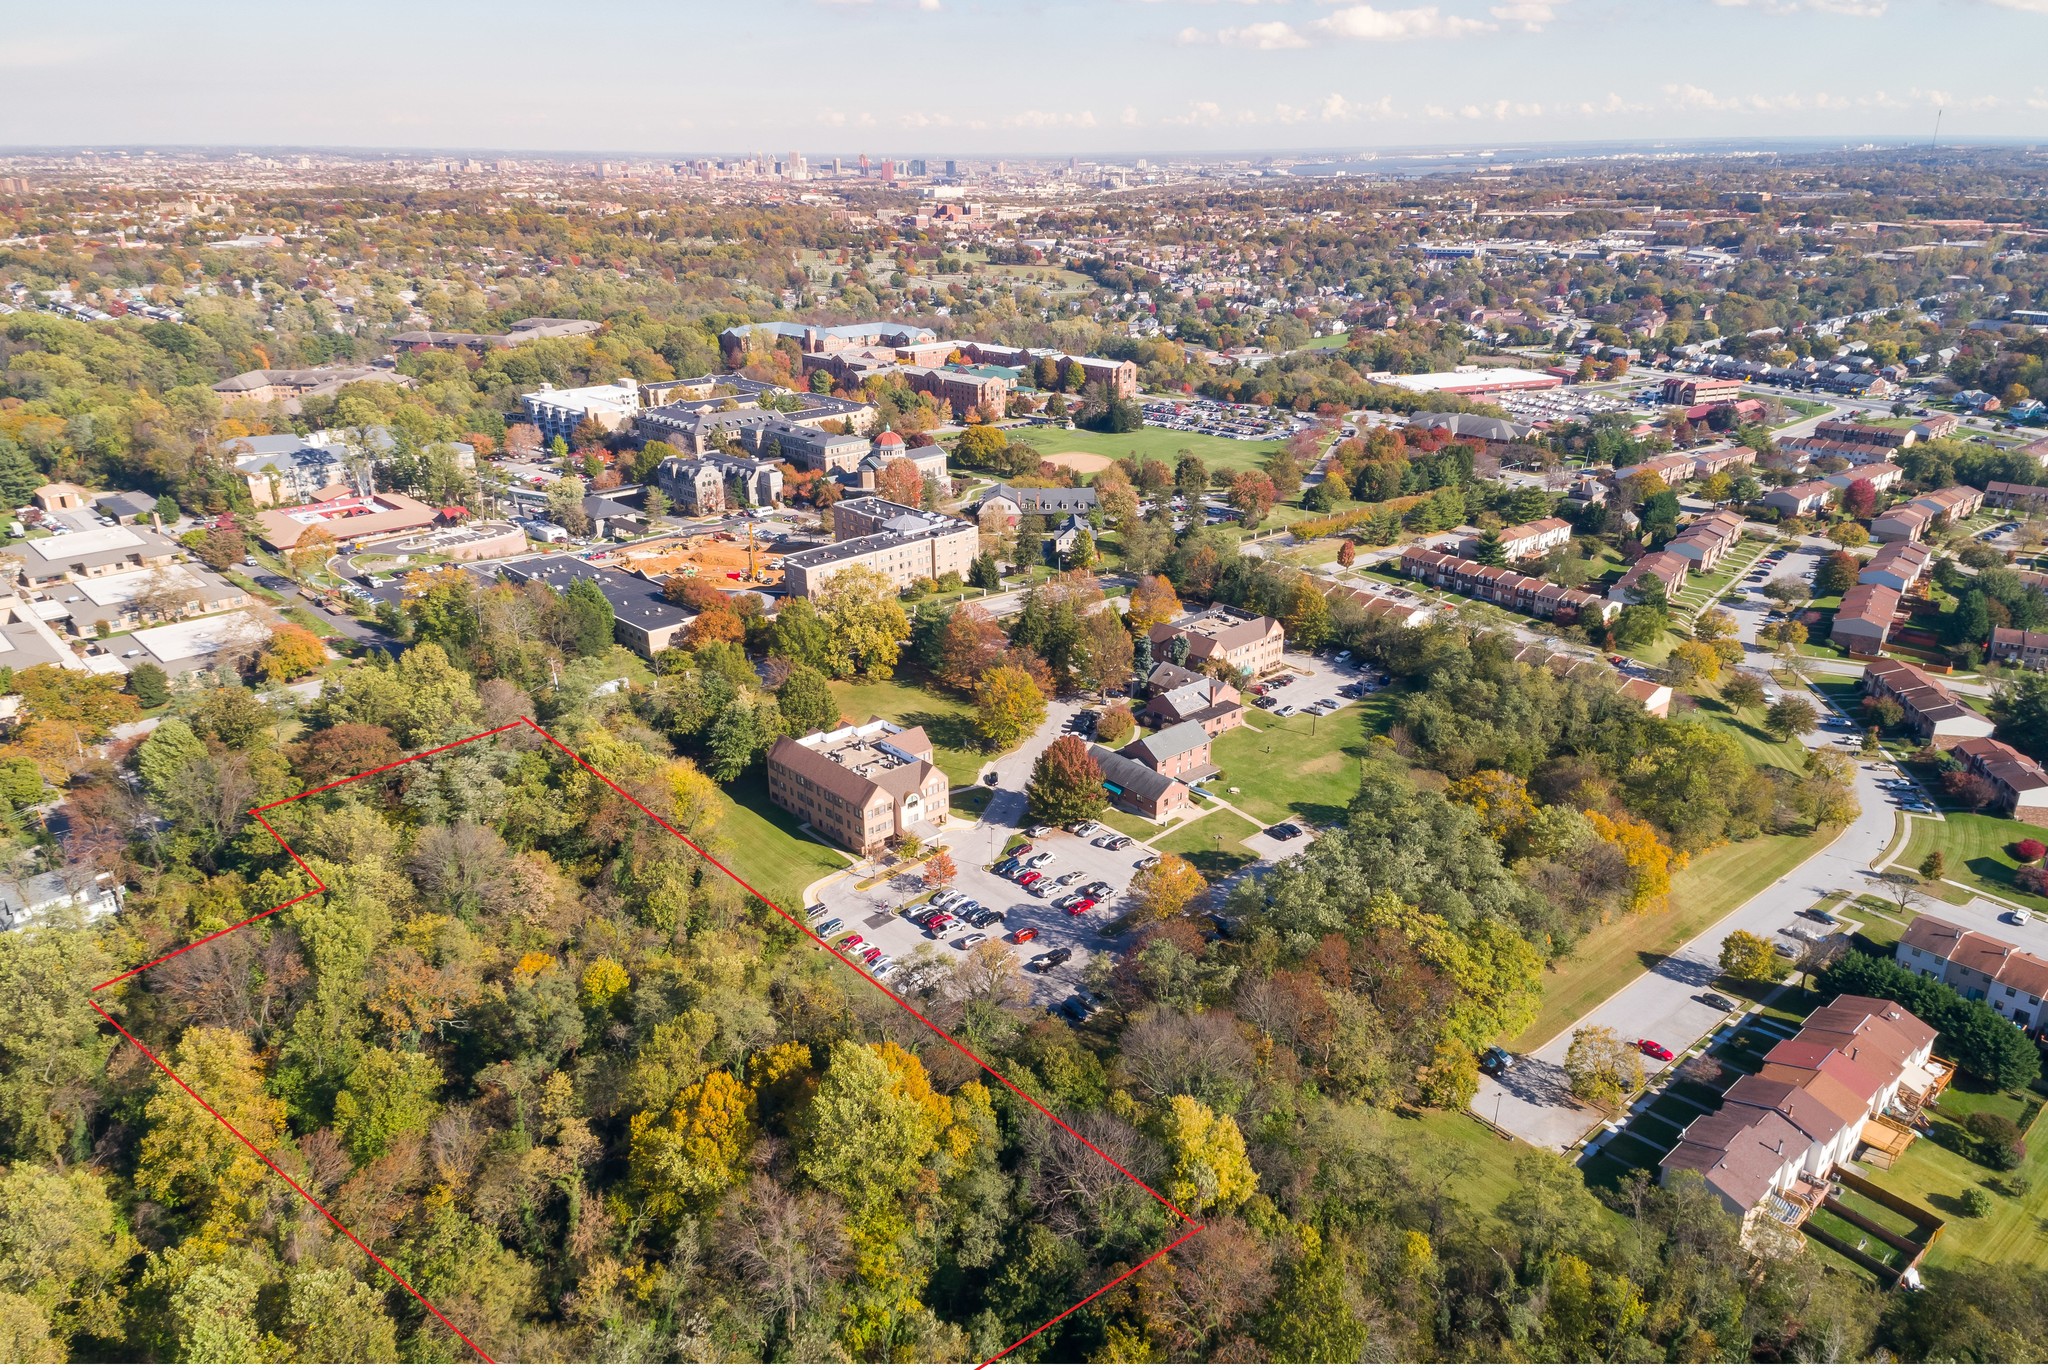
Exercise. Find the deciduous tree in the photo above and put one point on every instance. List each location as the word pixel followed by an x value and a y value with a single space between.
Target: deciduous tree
pixel 1007 708
pixel 1066 783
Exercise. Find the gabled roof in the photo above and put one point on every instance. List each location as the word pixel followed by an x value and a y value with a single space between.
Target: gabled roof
pixel 1167 743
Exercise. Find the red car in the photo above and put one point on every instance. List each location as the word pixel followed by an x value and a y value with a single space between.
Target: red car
pixel 1080 906
pixel 1654 1051
pixel 1022 935
pixel 1029 878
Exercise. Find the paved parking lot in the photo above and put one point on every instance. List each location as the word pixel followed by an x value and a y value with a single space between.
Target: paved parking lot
pixel 877 914
pixel 1315 678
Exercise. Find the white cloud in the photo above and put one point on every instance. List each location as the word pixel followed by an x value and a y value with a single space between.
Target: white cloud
pixel 1335 109
pixel 1129 118
pixel 1201 114
pixel 1532 15
pixel 1365 24
pixel 1854 9
pixel 1049 118
pixel 2023 6
pixel 1272 35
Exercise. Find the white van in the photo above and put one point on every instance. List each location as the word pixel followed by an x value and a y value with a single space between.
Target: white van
pixel 2020 916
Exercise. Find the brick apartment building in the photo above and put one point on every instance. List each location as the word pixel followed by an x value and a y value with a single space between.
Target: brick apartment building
pixel 861 786
pixel 902 543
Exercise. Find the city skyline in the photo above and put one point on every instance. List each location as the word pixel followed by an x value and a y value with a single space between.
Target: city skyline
pixel 1127 78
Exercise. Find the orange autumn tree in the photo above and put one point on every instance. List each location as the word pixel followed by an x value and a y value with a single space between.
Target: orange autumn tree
pixel 1650 862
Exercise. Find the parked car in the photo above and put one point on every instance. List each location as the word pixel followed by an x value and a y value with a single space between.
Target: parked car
pixel 1079 1007
pixel 1101 889
pixel 1023 935
pixel 1046 960
pixel 971 940
pixel 1718 1001
pixel 852 942
pixel 1080 906
pixel 1149 862
pixel 1029 878
pixel 1653 1050
pixel 814 911
pixel 828 927
pixel 871 955
pixel 1065 880
pixel 1039 830
pixel 1496 1061
pixel 1284 832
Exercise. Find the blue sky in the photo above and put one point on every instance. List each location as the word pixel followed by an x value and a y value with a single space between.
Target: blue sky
pixel 939 77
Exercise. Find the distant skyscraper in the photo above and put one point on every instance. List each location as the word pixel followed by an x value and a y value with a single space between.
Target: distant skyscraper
pixel 952 167
pixel 836 168
pixel 863 164
pixel 917 166
pixel 888 168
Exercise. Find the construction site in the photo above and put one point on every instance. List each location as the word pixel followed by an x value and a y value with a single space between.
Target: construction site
pixel 734 560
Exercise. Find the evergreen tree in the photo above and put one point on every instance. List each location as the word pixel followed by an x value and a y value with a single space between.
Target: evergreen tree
pixel 587 616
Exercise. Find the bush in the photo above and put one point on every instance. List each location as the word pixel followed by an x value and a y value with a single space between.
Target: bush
pixel 2000 1144
pixel 2031 880
pixel 1976 1202
pixel 2029 850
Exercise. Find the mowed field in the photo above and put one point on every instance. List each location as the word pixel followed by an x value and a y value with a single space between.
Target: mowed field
pixel 1162 444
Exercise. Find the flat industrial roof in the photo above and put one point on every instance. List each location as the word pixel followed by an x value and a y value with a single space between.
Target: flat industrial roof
pixel 202 636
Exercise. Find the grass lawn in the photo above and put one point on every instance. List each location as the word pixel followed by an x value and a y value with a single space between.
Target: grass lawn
pixel 1975 847
pixel 2015 1232
pixel 1801 409
pixel 763 846
pixel 1214 845
pixel 1478 1162
pixel 1130 824
pixel 1706 891
pixel 1163 443
pixel 1761 747
pixel 969 803
pixel 948 722
pixel 1274 767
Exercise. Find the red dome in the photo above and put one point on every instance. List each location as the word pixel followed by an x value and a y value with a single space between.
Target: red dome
pixel 888 438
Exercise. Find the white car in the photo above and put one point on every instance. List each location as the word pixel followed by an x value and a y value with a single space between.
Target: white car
pixel 971 940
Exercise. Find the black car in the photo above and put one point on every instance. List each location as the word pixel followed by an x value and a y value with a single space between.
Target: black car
pixel 1719 1001
pixel 1046 960
pixel 1284 832
pixel 1495 1061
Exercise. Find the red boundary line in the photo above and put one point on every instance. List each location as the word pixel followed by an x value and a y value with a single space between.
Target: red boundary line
pixel 320 887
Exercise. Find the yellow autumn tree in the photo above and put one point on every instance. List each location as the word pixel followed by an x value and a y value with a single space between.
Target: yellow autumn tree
pixel 1650 862
pixel 1210 1172
pixel 1499 798
pixel 693 1151
pixel 188 1159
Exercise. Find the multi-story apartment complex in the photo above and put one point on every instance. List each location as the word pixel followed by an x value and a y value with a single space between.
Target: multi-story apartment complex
pixel 1978 966
pixel 1706 540
pixel 1898 565
pixel 1691 390
pixel 1911 520
pixel 861 785
pixel 961 389
pixel 2016 778
pixel 1780 1133
pixel 1797 501
pixel 1863 622
pixel 1526 540
pixel 1669 567
pixel 902 543
pixel 1931 711
pixel 2019 647
pixel 558 413
pixel 1248 643
pixel 1509 589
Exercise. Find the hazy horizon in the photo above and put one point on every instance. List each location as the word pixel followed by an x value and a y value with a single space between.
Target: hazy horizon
pixel 1055 77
